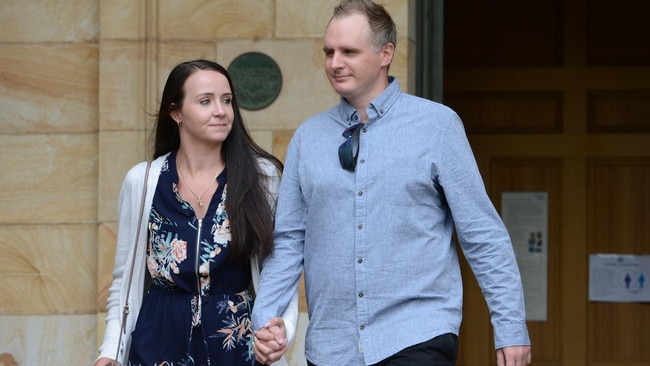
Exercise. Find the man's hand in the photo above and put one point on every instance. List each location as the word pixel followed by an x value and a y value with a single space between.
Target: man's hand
pixel 270 341
pixel 514 356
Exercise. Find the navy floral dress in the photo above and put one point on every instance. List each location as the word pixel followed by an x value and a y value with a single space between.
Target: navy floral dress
pixel 197 311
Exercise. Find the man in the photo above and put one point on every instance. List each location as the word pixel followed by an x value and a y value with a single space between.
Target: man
pixel 371 192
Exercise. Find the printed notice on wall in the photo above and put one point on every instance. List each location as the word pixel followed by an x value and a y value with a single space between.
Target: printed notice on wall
pixel 525 215
pixel 619 278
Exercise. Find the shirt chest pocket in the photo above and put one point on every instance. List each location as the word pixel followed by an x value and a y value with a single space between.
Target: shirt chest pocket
pixel 408 183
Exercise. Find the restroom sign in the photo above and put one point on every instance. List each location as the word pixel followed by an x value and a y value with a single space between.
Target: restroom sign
pixel 619 278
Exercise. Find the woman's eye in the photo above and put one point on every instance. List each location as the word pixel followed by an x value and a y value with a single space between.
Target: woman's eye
pixel 205 101
pixel 227 100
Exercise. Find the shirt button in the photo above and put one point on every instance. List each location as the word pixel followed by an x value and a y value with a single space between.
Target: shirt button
pixel 362 327
pixel 360 227
pixel 364 129
pixel 360 193
pixel 360 294
pixel 381 111
pixel 363 161
pixel 359 260
pixel 356 117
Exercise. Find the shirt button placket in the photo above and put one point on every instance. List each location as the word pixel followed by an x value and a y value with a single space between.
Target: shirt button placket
pixel 360 239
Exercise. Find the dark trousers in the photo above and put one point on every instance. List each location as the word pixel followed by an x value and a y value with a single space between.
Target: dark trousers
pixel 439 351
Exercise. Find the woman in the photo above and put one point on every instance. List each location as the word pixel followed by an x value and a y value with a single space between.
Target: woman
pixel 210 209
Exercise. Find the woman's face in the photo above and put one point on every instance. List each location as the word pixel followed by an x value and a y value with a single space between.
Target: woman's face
pixel 206 114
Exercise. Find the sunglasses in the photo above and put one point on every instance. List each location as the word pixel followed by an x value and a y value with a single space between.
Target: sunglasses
pixel 349 150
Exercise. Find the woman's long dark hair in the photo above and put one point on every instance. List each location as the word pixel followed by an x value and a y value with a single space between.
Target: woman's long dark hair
pixel 247 201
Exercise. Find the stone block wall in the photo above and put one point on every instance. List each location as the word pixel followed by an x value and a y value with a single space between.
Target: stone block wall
pixel 79 81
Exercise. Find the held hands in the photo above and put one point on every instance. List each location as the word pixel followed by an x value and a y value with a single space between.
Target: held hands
pixel 105 361
pixel 270 341
pixel 514 356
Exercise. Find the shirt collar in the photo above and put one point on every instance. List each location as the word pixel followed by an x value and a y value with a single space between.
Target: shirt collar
pixel 377 108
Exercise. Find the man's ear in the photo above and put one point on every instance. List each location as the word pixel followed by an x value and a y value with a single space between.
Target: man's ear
pixel 387 51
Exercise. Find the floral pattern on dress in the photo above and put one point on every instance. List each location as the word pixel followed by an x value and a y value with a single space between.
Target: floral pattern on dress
pixel 189 362
pixel 237 324
pixel 176 263
pixel 166 251
pixel 221 226
pixel 209 250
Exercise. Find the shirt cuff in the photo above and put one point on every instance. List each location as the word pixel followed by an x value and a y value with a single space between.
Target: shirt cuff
pixel 506 335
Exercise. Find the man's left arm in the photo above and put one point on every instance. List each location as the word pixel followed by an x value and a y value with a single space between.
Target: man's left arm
pixel 484 239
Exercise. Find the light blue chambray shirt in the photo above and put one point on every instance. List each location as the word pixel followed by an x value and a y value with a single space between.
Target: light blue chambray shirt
pixel 381 267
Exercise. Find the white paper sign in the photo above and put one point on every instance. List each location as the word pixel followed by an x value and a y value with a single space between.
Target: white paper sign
pixel 525 215
pixel 619 278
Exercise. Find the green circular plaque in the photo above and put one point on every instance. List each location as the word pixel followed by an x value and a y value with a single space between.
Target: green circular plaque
pixel 257 80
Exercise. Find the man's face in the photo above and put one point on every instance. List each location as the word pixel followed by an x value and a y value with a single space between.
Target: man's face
pixel 354 69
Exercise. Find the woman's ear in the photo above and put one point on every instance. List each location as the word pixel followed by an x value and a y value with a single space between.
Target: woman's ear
pixel 174 112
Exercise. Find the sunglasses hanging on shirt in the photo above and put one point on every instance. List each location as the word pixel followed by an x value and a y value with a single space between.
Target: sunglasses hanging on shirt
pixel 349 149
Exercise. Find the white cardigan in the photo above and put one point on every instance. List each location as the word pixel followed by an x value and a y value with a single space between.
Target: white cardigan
pixel 128 212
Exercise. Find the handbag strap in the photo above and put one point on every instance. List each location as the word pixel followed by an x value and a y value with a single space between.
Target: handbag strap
pixel 125 311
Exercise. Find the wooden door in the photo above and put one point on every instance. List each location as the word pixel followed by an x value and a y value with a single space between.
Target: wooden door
pixel 555 97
